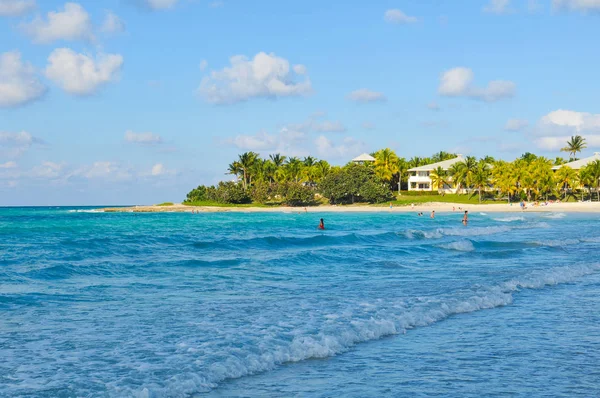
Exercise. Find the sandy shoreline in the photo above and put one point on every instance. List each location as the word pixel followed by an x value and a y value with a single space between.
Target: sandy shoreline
pixel 579 207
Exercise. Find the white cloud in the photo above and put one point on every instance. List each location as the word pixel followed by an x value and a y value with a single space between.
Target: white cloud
pixel 13 145
pixel 577 5
pixel 158 169
pixel 203 65
pixel 216 4
pixel 266 75
pixel 112 24
pixel 104 170
pixel 160 4
pixel 398 17
pixel 19 83
pixel 300 69
pixel 328 127
pixel 349 147
pixel 47 170
pixel 516 124
pixel 261 141
pixel 80 74
pixel 365 95
pixel 498 7
pixel 142 138
pixel 554 129
pixel 8 165
pixel 16 8
pixel 73 23
pixel 458 82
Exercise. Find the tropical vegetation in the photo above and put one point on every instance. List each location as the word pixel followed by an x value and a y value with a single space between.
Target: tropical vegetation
pixel 282 180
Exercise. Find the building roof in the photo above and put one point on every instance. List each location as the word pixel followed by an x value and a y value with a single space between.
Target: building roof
pixel 445 164
pixel 578 164
pixel 365 157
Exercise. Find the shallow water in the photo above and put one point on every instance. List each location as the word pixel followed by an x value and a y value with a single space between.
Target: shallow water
pixel 176 305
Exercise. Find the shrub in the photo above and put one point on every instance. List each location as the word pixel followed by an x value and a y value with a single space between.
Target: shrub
pixel 354 183
pixel 297 194
pixel 260 192
pixel 197 194
pixel 419 193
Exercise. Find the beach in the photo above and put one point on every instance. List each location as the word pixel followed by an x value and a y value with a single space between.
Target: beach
pixel 569 207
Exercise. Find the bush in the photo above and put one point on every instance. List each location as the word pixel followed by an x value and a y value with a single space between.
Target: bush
pixel 297 194
pixel 231 192
pixel 260 192
pixel 354 183
pixel 197 194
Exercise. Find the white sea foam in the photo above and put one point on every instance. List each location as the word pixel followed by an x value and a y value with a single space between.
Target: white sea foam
pixel 86 211
pixel 555 215
pixel 354 328
pixel 483 214
pixel 510 219
pixel 461 246
pixel 558 242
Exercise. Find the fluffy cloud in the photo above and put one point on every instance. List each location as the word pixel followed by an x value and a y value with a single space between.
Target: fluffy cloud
pixel 266 75
pixel 15 144
pixel 364 95
pixel 160 4
pixel 349 147
pixel 577 5
pixel 398 17
pixel 73 23
pixel 112 24
pixel 15 8
pixel 498 7
pixel 80 74
pixel 8 165
pixel 203 65
pixel 104 170
pixel 18 81
pixel 286 141
pixel 158 169
pixel 458 82
pixel 554 129
pixel 142 138
pixel 515 124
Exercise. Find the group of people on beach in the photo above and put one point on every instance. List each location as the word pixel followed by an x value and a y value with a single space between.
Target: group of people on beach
pixel 465 219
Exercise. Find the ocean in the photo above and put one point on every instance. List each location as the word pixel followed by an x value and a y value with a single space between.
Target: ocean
pixel 99 304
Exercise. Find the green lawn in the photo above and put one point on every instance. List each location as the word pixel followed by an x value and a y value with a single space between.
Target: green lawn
pixel 217 204
pixel 165 204
pixel 404 200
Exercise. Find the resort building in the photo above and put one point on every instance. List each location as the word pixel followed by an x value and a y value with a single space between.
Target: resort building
pixel 420 180
pixel 364 158
pixel 581 163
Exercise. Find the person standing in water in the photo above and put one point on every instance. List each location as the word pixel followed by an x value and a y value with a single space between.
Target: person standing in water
pixel 432 214
pixel 321 224
pixel 465 219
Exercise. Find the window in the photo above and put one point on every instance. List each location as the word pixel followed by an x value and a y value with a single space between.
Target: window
pixel 423 186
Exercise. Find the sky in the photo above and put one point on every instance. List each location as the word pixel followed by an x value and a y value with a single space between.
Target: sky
pixel 138 101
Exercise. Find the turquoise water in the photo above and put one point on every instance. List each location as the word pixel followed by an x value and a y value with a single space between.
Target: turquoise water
pixel 181 305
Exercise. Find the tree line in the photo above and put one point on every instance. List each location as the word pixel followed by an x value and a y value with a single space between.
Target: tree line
pixel 278 179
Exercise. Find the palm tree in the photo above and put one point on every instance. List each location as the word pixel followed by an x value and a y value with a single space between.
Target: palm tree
pixel 309 161
pixel 235 169
pixel 294 169
pixel 439 178
pixel 277 159
pixel 441 156
pixel 462 172
pixel 402 171
pixel 574 145
pixel 585 180
pixel 247 162
pixel 322 168
pixel 593 170
pixel 456 172
pixel 503 178
pixel 480 177
pixel 566 177
pixel 541 170
pixel 386 164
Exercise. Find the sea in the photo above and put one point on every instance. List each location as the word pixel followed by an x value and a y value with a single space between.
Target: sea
pixel 237 304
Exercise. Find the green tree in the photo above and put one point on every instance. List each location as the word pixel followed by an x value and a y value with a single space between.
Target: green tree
pixel 480 177
pixel 386 164
pixel 574 145
pixel 439 178
pixel 566 178
pixel 503 178
pixel 246 163
pixel 277 159
pixel 593 170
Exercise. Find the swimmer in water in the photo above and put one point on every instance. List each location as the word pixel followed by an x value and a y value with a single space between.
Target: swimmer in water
pixel 432 214
pixel 465 219
pixel 321 224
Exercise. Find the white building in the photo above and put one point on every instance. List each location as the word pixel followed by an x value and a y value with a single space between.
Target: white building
pixel 420 180
pixel 364 158
pixel 581 163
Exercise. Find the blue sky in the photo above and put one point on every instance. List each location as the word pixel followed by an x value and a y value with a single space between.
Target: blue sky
pixel 138 101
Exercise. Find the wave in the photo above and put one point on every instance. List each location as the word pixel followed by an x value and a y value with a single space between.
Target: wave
pixel 85 211
pixel 461 246
pixel 510 219
pixel 555 215
pixel 557 242
pixel 349 330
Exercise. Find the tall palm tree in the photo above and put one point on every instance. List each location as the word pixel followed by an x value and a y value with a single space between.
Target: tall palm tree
pixel 277 159
pixel 480 177
pixel 235 169
pixel 594 171
pixel 294 169
pixel 574 145
pixel 585 180
pixel 386 164
pixel 322 168
pixel 439 178
pixel 503 178
pixel 402 172
pixel 247 162
pixel 566 177
pixel 543 177
pixel 309 161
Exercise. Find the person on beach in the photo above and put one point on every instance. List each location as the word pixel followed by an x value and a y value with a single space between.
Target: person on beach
pixel 465 219
pixel 321 225
pixel 432 214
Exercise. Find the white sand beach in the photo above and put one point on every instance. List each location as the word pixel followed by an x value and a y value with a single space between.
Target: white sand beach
pixel 571 207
